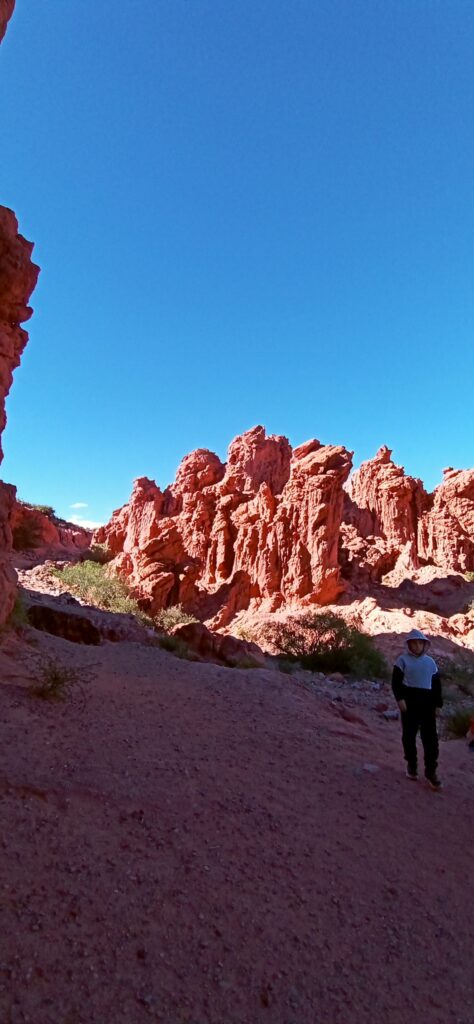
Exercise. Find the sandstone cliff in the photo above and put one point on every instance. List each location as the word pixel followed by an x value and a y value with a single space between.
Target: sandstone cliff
pixel 17 279
pixel 275 527
pixel 43 533
pixel 391 524
pixel 262 529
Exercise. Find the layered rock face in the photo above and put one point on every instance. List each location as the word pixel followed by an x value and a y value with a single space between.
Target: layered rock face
pixel 44 533
pixel 275 527
pixel 261 529
pixel 391 524
pixel 17 279
pixel 446 530
pixel 382 508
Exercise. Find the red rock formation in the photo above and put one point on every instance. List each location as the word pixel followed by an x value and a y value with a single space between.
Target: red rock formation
pixel 7 573
pixel 17 279
pixel 391 523
pixel 262 528
pixel 45 533
pixel 6 11
pixel 446 530
pixel 225 650
pixel 381 512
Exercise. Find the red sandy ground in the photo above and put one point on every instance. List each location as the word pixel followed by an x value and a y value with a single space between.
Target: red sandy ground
pixel 201 845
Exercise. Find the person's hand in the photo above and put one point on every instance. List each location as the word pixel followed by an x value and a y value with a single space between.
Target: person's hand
pixel 402 705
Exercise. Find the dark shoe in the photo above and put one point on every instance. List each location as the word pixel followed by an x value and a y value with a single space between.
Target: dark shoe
pixel 433 781
pixel 412 773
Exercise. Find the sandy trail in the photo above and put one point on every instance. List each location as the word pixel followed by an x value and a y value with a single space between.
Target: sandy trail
pixel 201 845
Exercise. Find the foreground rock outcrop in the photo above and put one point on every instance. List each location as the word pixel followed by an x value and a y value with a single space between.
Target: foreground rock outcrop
pixel 17 279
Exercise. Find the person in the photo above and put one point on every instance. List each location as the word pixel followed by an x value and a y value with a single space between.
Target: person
pixel 416 687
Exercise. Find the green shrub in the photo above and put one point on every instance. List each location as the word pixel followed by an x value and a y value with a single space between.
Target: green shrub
pixel 175 646
pixel 244 633
pixel 56 680
pixel 175 615
pixel 324 642
pixel 242 663
pixel 98 553
pixel 459 673
pixel 458 723
pixel 46 510
pixel 92 584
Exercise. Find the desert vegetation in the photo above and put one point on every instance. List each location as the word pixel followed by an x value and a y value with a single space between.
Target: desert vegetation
pixel 324 642
pixel 98 553
pixel 175 615
pixel 458 722
pixel 56 681
pixel 46 510
pixel 95 585
pixel 458 677
pixel 175 645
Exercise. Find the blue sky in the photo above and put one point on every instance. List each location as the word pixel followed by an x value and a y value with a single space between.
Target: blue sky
pixel 249 212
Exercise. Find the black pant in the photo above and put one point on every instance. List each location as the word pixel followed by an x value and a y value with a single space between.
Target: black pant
pixel 420 716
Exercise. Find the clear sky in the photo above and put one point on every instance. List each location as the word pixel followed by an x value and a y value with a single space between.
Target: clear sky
pixel 245 211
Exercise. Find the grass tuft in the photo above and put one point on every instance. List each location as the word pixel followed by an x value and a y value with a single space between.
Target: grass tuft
pixel 55 681
pixel 167 618
pixel 176 646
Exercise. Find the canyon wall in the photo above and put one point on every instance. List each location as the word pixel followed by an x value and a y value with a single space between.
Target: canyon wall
pixel 279 527
pixel 17 279
pixel 43 533
pixel 391 524
pixel 261 529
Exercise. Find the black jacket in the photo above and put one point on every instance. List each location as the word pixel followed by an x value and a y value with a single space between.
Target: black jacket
pixel 414 694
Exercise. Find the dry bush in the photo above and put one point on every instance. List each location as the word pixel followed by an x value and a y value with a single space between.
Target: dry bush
pixel 457 724
pixel 56 681
pixel 175 615
pixel 176 646
pixel 324 642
